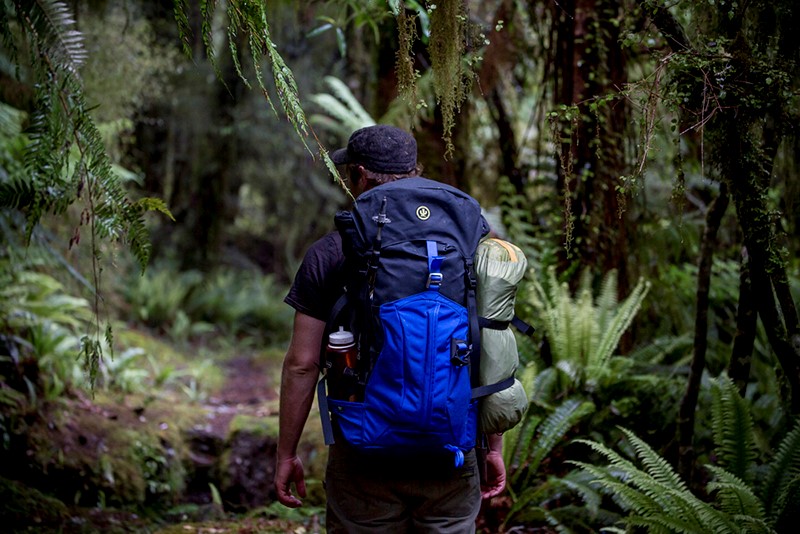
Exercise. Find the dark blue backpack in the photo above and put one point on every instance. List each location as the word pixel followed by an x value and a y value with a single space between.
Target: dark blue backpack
pixel 410 303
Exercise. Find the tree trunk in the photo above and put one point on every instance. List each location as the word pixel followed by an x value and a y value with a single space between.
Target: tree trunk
pixel 500 56
pixel 775 305
pixel 686 417
pixel 590 66
pixel 746 321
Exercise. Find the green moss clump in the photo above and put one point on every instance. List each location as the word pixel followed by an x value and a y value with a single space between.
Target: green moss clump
pixel 27 507
pixel 263 427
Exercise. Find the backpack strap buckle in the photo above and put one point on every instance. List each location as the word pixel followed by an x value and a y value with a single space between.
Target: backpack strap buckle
pixel 434 266
pixel 459 352
pixel 435 280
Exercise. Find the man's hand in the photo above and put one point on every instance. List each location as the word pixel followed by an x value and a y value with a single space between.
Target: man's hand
pixel 495 481
pixel 288 471
pixel 495 469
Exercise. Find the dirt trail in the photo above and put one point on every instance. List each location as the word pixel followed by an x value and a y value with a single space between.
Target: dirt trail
pixel 248 390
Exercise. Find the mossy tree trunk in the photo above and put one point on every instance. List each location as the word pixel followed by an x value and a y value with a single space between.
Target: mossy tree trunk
pixel 590 67
pixel 749 135
pixel 748 116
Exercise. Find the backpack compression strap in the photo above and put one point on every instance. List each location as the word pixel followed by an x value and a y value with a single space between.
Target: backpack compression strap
pixel 474 327
pixel 493 324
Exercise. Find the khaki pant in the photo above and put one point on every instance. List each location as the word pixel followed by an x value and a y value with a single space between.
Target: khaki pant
pixel 380 495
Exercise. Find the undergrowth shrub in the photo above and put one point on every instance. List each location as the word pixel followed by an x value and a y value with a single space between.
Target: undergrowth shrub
pixel 223 306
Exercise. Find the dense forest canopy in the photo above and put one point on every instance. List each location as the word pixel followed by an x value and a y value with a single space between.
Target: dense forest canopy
pixel 644 154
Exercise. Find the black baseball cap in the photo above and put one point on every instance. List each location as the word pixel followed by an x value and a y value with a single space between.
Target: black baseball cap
pixel 381 148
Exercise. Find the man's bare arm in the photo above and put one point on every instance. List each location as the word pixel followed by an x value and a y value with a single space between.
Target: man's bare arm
pixel 298 383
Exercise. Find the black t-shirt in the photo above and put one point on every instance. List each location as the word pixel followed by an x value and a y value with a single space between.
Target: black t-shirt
pixel 319 283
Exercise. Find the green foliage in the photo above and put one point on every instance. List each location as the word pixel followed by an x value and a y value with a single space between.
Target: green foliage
pixel 655 497
pixel 189 305
pixel 780 486
pixel 66 160
pixel 352 12
pixel 48 323
pixel 732 425
pixel 247 25
pixel 587 391
pixel 343 112
pixel 583 332
pixel 539 434
pixel 117 88
pixel 62 160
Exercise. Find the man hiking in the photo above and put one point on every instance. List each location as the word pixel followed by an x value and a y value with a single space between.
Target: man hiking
pixel 370 492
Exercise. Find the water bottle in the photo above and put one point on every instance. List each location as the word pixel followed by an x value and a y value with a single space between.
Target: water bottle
pixel 342 357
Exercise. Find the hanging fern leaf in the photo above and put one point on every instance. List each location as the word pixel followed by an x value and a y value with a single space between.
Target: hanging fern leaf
pixel 247 24
pixel 64 159
pixel 52 23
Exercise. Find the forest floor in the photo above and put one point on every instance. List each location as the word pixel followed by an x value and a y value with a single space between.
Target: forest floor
pixel 62 438
pixel 249 389
pixel 78 424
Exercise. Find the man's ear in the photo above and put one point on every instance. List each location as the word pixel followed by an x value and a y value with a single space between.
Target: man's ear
pixel 353 174
pixel 357 174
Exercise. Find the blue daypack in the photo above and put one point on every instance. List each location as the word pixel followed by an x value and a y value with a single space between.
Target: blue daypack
pixel 410 303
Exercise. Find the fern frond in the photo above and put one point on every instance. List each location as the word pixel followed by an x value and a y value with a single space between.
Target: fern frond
pixel 579 483
pixel 342 92
pixel 341 119
pixel 622 319
pixel 751 525
pixel 783 471
pixel 16 192
pixel 54 26
pixel 654 502
pixel 523 438
pixel 607 299
pixel 184 28
pixel 786 512
pixel 553 429
pixel 530 495
pixel 586 328
pixel 583 333
pixel 734 495
pixel 207 10
pixel 732 425
pixel 655 465
pixel 614 483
